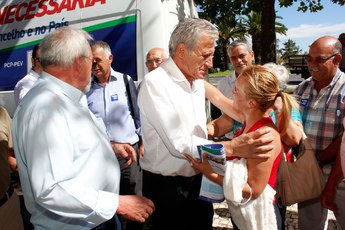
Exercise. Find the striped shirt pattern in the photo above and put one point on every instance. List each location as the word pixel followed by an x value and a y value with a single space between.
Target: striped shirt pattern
pixel 323 112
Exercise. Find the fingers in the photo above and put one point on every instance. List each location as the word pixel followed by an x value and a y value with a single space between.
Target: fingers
pixel 189 157
pixel 136 208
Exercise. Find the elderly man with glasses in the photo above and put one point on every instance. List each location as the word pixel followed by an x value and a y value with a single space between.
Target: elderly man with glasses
pixel 154 58
pixel 321 99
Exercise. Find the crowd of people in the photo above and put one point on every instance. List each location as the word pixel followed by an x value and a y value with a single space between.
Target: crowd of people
pixel 95 151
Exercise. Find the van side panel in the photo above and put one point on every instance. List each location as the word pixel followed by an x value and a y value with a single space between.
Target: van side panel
pixel 131 27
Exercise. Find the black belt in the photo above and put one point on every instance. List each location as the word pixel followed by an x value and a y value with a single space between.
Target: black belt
pixel 6 196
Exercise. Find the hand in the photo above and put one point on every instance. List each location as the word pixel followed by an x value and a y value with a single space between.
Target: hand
pixel 125 151
pixel 256 144
pixel 205 168
pixel 12 161
pixel 202 166
pixel 278 105
pixel 136 208
pixel 141 150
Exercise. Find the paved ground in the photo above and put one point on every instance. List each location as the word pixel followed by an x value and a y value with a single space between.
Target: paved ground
pixel 221 219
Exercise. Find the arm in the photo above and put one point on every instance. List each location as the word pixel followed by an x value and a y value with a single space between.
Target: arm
pixel 62 187
pixel 258 170
pixel 220 126
pixel 257 144
pixel 328 194
pixel 205 168
pixel 223 103
pixel 293 134
pixel 329 154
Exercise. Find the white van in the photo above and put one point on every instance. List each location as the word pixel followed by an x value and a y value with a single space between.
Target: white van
pixel 131 27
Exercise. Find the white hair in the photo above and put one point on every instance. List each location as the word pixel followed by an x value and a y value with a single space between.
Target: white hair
pixel 281 72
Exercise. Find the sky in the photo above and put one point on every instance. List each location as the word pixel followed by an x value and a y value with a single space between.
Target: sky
pixel 304 28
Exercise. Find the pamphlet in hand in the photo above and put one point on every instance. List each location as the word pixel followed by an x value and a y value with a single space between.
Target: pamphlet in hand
pixel 211 191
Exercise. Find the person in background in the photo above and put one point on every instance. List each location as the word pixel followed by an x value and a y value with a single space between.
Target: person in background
pixel 154 58
pixel 70 175
pixel 241 55
pixel 10 217
pixel 172 111
pixel 321 99
pixel 113 99
pixel 25 84
pixel 255 93
pixel 341 38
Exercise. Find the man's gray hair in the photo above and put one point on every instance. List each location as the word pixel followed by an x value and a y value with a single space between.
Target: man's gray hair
pixel 105 46
pixel 188 32
pixel 239 42
pixel 281 73
pixel 338 47
pixel 62 46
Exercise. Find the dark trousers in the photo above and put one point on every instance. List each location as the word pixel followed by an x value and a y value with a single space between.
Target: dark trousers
pixel 131 184
pixel 177 203
pixel 112 224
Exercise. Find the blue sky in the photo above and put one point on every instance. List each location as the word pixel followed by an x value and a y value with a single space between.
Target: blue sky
pixel 304 28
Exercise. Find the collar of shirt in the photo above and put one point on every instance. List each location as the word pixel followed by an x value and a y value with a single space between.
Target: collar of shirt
pixel 71 92
pixel 176 74
pixel 114 76
pixel 34 74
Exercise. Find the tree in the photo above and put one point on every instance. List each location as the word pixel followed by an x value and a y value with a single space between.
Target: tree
pixel 252 24
pixel 289 48
pixel 220 13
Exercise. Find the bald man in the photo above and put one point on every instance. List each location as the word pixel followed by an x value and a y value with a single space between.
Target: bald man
pixel 154 58
pixel 321 104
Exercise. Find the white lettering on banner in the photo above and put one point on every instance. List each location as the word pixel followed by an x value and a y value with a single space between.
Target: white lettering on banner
pixel 13 64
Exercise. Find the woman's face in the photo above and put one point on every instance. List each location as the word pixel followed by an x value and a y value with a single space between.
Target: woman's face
pixel 240 96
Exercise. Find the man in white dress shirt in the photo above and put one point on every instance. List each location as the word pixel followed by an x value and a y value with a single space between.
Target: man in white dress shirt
pixel 25 84
pixel 173 121
pixel 69 173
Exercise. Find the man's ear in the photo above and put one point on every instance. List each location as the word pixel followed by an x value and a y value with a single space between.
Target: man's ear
pixel 181 50
pixel 111 57
pixel 78 64
pixel 337 58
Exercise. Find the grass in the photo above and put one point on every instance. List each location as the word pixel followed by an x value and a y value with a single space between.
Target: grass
pixel 220 73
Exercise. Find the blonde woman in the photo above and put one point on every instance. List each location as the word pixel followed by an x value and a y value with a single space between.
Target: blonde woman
pixel 248 183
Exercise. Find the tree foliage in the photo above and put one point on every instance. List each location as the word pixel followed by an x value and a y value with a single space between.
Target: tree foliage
pixel 289 48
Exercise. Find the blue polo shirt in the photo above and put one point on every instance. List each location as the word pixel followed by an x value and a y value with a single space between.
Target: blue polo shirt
pixel 110 103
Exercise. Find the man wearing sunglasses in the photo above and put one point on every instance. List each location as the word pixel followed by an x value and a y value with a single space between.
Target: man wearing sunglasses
pixel 322 106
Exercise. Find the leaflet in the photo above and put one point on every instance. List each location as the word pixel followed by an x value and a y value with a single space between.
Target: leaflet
pixel 209 190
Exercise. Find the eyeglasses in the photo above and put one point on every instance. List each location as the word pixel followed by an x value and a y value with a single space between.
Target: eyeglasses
pixel 319 59
pixel 154 60
pixel 241 56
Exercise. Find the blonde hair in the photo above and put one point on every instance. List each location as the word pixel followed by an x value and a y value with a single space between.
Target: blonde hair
pixel 262 85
